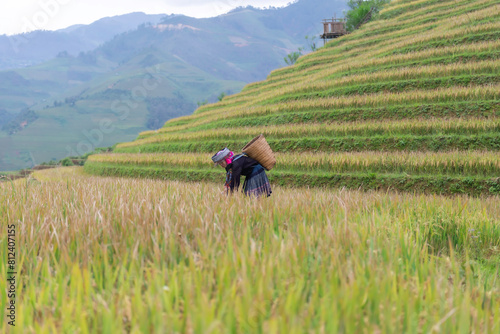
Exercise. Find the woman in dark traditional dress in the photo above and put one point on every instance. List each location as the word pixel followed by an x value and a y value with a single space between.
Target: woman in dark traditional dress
pixel 256 181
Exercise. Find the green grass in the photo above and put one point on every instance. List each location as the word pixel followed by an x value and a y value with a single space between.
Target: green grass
pixel 463 110
pixel 433 143
pixel 392 87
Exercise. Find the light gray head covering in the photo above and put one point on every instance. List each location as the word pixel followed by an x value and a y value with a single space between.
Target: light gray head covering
pixel 219 156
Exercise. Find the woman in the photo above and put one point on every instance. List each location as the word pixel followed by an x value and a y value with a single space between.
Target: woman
pixel 256 182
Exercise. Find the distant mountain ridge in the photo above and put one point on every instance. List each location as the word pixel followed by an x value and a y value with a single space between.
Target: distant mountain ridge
pixel 35 47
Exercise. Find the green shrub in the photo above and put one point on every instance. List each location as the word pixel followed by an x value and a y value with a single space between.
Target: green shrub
pixel 359 10
pixel 67 162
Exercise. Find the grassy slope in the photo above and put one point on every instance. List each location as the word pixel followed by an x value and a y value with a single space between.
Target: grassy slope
pixel 422 78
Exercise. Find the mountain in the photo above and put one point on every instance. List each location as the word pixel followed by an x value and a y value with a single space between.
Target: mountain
pixel 409 102
pixel 141 78
pixel 32 48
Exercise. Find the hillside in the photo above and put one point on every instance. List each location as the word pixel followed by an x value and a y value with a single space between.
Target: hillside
pixel 407 102
pixel 187 60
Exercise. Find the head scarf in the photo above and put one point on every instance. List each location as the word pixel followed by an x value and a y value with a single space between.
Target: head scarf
pixel 219 156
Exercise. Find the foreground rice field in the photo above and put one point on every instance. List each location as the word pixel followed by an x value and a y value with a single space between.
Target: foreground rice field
pixel 116 255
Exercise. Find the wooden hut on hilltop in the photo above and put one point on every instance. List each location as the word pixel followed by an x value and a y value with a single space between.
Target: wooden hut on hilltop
pixel 333 28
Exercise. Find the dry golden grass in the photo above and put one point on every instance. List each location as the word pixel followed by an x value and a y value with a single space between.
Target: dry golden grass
pixel 364 128
pixel 454 94
pixel 117 255
pixel 451 163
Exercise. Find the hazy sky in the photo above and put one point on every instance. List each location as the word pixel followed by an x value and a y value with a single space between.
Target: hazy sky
pixel 19 16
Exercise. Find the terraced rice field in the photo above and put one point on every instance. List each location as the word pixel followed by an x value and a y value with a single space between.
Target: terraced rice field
pixel 409 102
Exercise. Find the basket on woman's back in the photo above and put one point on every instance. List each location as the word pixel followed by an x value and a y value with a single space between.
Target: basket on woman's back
pixel 259 150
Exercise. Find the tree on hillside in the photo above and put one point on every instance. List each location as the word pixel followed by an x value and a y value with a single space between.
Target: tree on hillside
pixel 221 96
pixel 202 103
pixel 292 57
pixel 359 9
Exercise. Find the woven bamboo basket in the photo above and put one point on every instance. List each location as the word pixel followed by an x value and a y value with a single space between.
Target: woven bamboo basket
pixel 260 150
